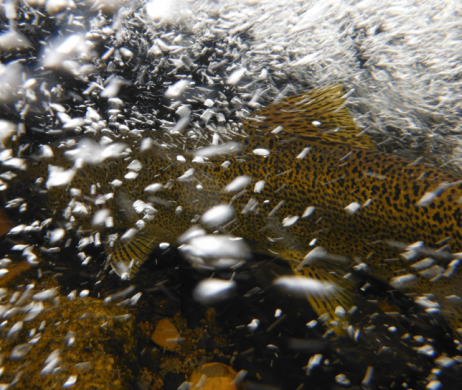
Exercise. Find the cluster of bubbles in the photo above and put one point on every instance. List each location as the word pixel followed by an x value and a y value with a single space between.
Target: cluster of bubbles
pixel 126 75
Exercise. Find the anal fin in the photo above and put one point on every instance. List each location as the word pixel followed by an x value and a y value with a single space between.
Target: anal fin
pixel 342 295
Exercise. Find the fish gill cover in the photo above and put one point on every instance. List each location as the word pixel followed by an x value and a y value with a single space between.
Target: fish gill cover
pixel 126 126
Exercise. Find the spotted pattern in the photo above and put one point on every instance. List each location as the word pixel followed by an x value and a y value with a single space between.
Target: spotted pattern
pixel 339 169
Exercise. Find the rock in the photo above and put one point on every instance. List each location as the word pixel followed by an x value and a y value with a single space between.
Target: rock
pixel 218 376
pixel 69 343
pixel 166 335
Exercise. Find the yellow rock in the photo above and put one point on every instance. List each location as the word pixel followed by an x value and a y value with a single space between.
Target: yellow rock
pixel 213 376
pixel 165 335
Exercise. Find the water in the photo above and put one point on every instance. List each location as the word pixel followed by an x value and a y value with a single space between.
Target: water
pixel 179 75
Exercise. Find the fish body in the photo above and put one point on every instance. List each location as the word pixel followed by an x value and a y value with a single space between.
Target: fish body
pixel 316 180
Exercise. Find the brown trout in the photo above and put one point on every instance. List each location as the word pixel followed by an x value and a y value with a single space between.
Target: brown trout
pixel 307 174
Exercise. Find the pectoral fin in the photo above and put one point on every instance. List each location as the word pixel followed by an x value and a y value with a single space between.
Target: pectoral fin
pixel 127 256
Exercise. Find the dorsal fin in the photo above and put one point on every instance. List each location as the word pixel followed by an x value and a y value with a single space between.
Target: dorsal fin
pixel 318 113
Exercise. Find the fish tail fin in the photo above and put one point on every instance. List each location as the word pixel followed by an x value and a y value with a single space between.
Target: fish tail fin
pixel 126 256
pixel 320 113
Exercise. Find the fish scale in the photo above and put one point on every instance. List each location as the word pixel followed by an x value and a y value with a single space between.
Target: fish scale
pixel 340 168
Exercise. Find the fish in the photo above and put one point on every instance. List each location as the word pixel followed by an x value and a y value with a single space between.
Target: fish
pixel 299 172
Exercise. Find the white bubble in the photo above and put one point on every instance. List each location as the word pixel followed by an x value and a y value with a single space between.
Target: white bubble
pixel 253 325
pixel 261 152
pixel 238 183
pixel 214 290
pixel 51 362
pixel 215 247
pixel 277 130
pixel 313 256
pixel 58 177
pixel 140 224
pixel 109 222
pixel 116 183
pixel 198 160
pixel 57 235
pixel 187 175
pixel 236 76
pixel 303 153
pixel 180 126
pixel 217 150
pixel 352 208
pixel 217 215
pixel 194 231
pixel 13 40
pixel 289 221
pixel 135 165
pixel 146 144
pixel 159 9
pixel 142 207
pixel 177 89
pixel 207 114
pixel 428 198
pixel 70 381
pixel 302 285
pixel 434 385
pixel 259 185
pixel 6 154
pixel 17 163
pixel 152 188
pixel 80 208
pixel 99 218
pixel 45 152
pixel 92 153
pixel 308 211
pixel 45 295
pixel 18 229
pixel 112 89
pixel 341 378
pixel 20 351
pixel 131 175
pixel 14 330
pixel 54 7
pixel 129 234
pixel 74 123
pixel 403 281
